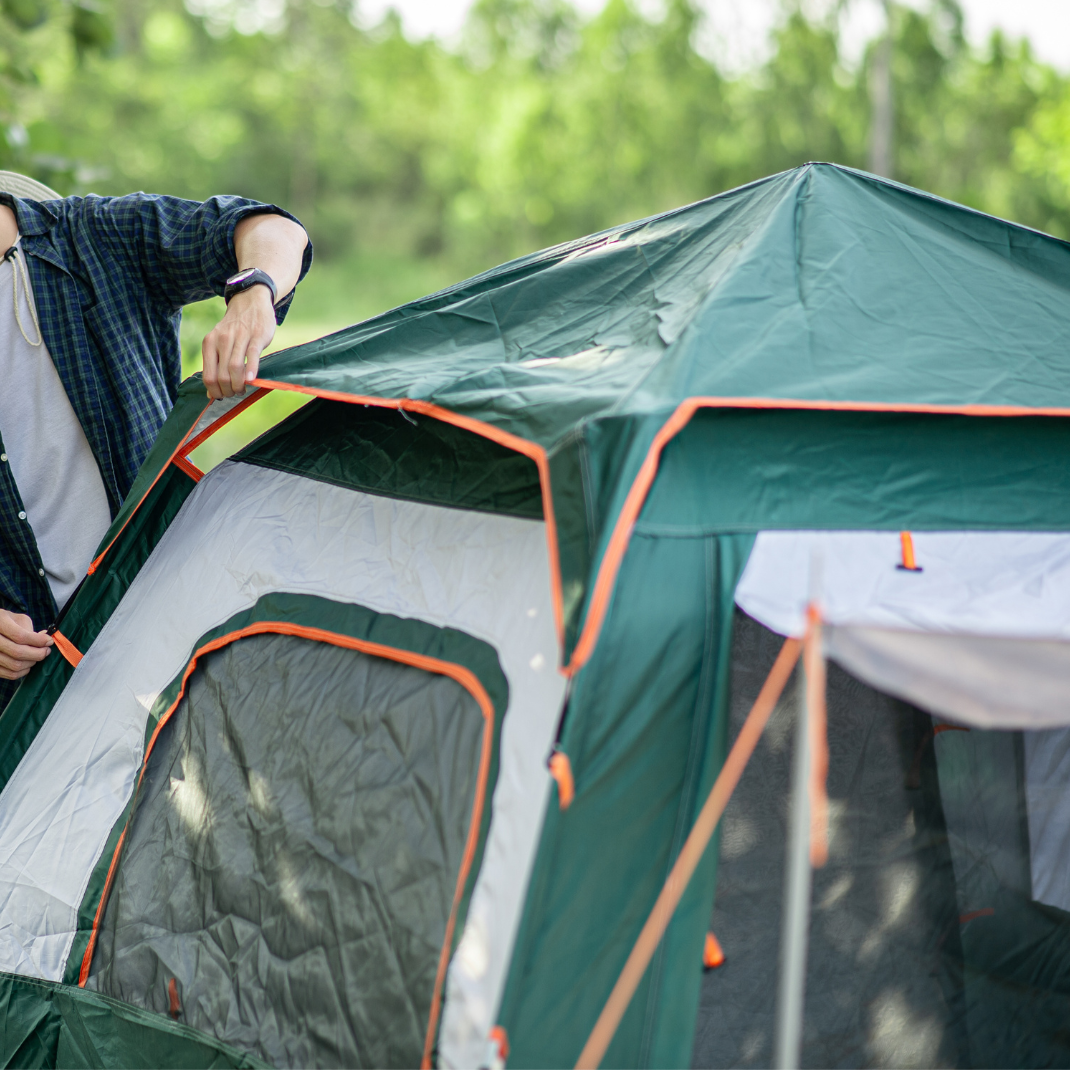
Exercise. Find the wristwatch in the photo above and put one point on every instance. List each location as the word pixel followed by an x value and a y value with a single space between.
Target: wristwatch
pixel 245 280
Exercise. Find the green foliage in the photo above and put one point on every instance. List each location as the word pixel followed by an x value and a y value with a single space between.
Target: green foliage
pixel 538 125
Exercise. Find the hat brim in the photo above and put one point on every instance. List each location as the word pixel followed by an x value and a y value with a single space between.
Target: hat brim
pixel 29 189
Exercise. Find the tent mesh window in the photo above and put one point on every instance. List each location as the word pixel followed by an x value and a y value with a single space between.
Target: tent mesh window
pixel 293 854
pixel 940 931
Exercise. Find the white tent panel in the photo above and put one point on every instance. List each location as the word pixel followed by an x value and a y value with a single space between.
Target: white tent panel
pixel 977 583
pixel 978 680
pixel 243 533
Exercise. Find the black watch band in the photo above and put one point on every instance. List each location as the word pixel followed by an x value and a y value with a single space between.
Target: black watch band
pixel 245 280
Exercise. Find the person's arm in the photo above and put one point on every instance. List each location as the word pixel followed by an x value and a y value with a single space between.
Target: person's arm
pixel 231 350
pixel 21 648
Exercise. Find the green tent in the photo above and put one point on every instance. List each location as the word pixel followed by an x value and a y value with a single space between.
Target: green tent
pixel 289 798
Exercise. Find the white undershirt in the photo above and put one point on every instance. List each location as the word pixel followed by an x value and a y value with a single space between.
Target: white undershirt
pixel 57 475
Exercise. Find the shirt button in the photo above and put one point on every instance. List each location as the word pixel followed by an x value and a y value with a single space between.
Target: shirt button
pixel 40 572
pixel 3 456
pixel 22 516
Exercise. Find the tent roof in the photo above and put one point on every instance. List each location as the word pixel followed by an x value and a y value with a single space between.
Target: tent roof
pixel 818 288
pixel 820 283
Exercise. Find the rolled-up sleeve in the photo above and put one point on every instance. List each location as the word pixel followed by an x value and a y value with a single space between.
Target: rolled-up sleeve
pixel 182 249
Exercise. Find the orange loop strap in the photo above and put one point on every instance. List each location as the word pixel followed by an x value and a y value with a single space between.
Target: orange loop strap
pixel 561 771
pixel 909 563
pixel 712 953
pixel 69 651
pixel 689 857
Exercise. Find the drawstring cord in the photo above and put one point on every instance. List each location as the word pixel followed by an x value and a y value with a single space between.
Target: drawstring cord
pixel 19 264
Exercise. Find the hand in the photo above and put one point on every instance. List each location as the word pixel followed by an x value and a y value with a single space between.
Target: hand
pixel 21 648
pixel 231 350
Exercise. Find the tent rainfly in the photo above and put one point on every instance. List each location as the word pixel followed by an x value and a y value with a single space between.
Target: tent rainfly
pixel 376 744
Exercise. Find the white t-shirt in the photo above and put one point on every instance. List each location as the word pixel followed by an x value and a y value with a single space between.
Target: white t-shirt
pixel 58 478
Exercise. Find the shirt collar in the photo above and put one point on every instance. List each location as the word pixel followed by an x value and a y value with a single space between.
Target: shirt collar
pixel 33 217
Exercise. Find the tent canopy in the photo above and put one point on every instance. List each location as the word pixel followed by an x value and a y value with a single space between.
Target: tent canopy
pixel 597 433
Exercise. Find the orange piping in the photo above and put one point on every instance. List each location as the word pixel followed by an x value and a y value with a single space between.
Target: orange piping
pixel 478 427
pixel 633 503
pixel 94 564
pixel 611 560
pixel 186 465
pixel 465 677
pixel 225 419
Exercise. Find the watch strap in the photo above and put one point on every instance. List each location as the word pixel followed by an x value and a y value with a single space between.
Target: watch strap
pixel 247 279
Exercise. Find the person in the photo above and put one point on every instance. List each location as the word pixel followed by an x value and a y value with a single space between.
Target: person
pixel 91 296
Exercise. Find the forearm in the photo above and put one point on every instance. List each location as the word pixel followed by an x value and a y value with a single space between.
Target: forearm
pixel 232 349
pixel 274 244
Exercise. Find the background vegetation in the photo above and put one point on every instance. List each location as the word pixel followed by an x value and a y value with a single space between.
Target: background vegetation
pixel 413 164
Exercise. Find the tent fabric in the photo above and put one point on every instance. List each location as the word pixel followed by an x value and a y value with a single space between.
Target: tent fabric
pixel 822 350
pixel 980 634
pixel 389 453
pixel 302 918
pixel 645 733
pixel 459 656
pixel 221 554
pixel 982 681
pixel 997 584
pixel 792 288
pixel 59 1025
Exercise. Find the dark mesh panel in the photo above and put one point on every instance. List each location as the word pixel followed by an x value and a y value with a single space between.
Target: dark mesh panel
pixel 927 947
pixel 294 852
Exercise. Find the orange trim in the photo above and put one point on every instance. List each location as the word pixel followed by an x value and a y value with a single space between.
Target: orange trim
pixel 478 427
pixel 688 858
pixel 500 1039
pixel 938 728
pixel 712 953
pixel 465 677
pixel 225 419
pixel 95 563
pixel 611 560
pixel 187 466
pixel 622 531
pixel 69 651
pixel 174 1006
pixel 561 771
pixel 817 727
pixel 906 542
pixel 984 912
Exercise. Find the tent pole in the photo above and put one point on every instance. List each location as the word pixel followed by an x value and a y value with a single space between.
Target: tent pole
pixel 796 913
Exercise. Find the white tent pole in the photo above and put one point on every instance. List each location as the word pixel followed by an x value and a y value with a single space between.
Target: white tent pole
pixel 796 913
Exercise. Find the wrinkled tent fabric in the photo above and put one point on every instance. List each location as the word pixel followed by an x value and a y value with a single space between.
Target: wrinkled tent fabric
pixel 288 899
pixel 600 432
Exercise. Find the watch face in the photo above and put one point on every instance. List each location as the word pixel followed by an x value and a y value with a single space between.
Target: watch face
pixel 240 277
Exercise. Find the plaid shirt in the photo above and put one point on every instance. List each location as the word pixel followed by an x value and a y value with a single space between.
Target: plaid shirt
pixel 110 276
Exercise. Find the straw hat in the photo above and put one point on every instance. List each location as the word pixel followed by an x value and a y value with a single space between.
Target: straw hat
pixel 28 189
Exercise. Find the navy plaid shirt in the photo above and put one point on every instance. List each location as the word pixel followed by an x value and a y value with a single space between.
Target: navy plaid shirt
pixel 110 276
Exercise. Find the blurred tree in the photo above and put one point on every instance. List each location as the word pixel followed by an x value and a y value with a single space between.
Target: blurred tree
pixel 540 125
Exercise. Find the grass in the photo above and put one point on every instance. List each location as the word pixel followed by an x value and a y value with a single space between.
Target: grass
pixel 333 295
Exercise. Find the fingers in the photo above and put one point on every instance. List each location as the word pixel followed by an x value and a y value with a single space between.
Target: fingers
pixel 18 628
pixel 210 364
pixel 20 646
pixel 252 360
pixel 231 350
